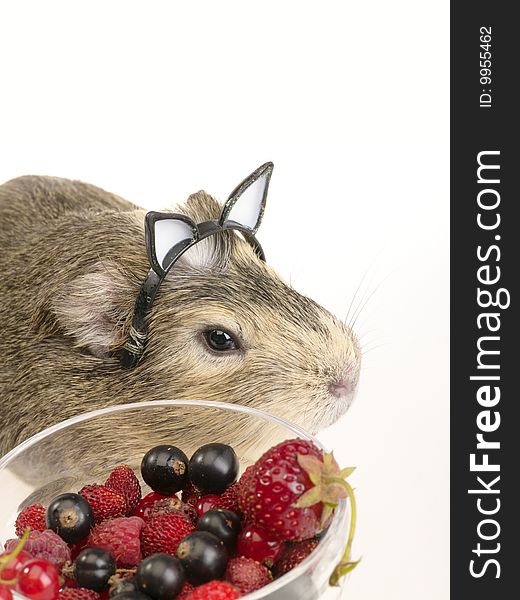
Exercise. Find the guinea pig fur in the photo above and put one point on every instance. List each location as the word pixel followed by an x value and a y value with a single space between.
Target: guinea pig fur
pixel 71 264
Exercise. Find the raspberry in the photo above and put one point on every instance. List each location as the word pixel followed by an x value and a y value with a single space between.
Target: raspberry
pixel 121 538
pixel 278 480
pixel 32 516
pixel 105 503
pixel 214 590
pixel 44 545
pixel 293 555
pixel 247 575
pixel 78 594
pixel 163 533
pixel 172 504
pixel 191 494
pixel 124 481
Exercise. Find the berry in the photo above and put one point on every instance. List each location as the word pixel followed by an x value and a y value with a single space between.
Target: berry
pixel 120 537
pixel 70 516
pixel 136 595
pixel 203 556
pixel 44 545
pixel 32 516
pixel 38 580
pixel 142 509
pixel 229 498
pixel 93 568
pixel 160 576
pixel 259 545
pixel 247 575
pixel 205 503
pixel 242 483
pixel 214 467
pixel 222 523
pixel 78 594
pixel 186 590
pixel 14 565
pixel 214 590
pixel 268 498
pixel 172 504
pixel 105 503
pixel 5 594
pixel 293 555
pixel 191 494
pixel 164 532
pixel 123 481
pixel 165 469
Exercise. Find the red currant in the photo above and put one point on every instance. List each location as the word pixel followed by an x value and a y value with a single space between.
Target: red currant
pixel 14 566
pixel 206 503
pixel 259 545
pixel 39 580
pixel 5 593
pixel 141 510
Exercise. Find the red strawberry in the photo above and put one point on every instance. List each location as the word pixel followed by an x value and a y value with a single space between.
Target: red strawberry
pixel 229 498
pixel 243 482
pixel 123 480
pixel 120 537
pixel 172 504
pixel 214 590
pixel 69 593
pixel 247 575
pixel 163 533
pixel 105 503
pixel 186 590
pixel 293 555
pixel 191 494
pixel 269 493
pixel 32 516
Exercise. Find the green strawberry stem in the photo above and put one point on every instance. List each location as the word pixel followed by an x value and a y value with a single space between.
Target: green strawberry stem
pixel 6 558
pixel 345 565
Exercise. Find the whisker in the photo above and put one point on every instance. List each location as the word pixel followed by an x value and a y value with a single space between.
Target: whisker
pixel 360 310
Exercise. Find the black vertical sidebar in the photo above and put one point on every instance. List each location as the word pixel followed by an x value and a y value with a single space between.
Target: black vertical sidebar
pixel 485 329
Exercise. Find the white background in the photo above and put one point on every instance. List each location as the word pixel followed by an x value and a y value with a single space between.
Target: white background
pixel 155 100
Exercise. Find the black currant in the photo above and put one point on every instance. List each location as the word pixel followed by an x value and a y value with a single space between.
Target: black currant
pixel 70 516
pixel 165 469
pixel 160 576
pixel 203 556
pixel 213 468
pixel 93 568
pixel 222 523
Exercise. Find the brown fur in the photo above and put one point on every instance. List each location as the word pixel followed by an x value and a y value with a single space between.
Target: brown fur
pixel 72 261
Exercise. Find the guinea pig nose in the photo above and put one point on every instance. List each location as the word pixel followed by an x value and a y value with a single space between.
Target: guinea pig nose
pixel 341 388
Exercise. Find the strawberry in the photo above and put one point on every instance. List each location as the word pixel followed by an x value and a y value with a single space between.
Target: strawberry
pixel 214 590
pixel 293 555
pixel 191 494
pixel 70 593
pixel 243 482
pixel 247 575
pixel 124 481
pixel 163 533
pixel 105 503
pixel 172 504
pixel 229 498
pixel 292 490
pixel 120 537
pixel 32 517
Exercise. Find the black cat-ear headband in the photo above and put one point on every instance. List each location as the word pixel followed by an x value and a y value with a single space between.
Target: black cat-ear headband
pixel 169 235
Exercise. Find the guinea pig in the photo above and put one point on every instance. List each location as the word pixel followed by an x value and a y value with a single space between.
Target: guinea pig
pixel 72 262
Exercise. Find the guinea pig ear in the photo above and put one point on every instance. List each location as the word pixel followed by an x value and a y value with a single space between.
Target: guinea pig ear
pixel 93 308
pixel 246 203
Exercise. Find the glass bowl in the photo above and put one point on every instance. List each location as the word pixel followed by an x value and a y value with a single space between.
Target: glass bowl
pixel 53 462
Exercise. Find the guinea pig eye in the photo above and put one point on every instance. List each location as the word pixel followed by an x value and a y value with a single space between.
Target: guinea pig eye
pixel 220 340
